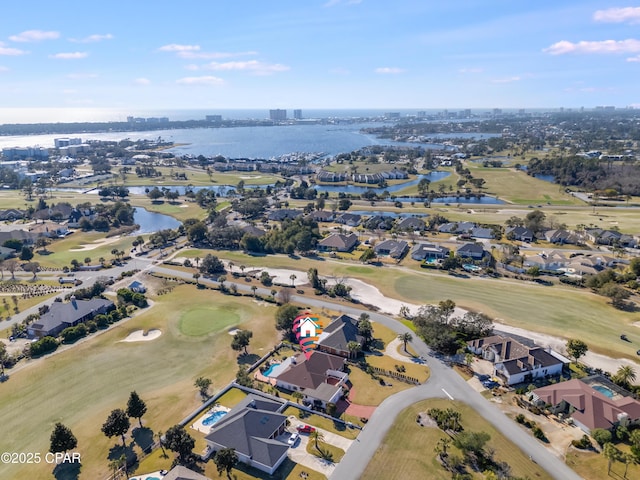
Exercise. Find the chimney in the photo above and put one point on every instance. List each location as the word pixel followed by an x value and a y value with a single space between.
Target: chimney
pixel 73 302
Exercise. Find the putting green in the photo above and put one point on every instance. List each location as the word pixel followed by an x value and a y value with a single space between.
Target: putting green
pixel 204 320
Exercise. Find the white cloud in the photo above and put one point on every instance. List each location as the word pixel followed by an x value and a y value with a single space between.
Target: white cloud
pixel 389 70
pixel 69 55
pixel 634 59
pixel 190 54
pixel 253 66
pixel 34 36
pixel 92 38
pixel 507 79
pixel 142 81
pixel 3 69
pixel 9 51
pixel 470 70
pixel 176 47
pixel 630 45
pixel 618 15
pixel 205 80
pixel 81 76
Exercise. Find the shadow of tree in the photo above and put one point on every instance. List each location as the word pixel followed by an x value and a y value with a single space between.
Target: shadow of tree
pixel 248 359
pixel 143 437
pixel 132 457
pixel 67 471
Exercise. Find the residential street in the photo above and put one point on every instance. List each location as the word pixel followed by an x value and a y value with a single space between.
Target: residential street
pixel 442 383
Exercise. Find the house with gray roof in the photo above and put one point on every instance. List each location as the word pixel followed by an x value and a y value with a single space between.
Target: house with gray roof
pixel 471 250
pixel 515 362
pixel 284 214
pixel 457 228
pixel 338 242
pixel 392 248
pixel 63 315
pixel 428 251
pixel 323 215
pixel 522 234
pixel 335 338
pixel 252 428
pixel 482 232
pixel 318 378
pixel 349 219
pixel 411 224
pixel 253 231
pixel 183 473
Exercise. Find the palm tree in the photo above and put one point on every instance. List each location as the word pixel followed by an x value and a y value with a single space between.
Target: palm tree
pixel 197 260
pixel 293 279
pixel 612 454
pixel 629 459
pixel 354 348
pixel 405 338
pixel 441 446
pixel 625 375
pixel 297 396
pixel 316 436
pixel 196 276
pixel 253 289
pixel 159 437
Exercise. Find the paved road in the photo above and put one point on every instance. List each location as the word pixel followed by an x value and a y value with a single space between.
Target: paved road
pixel 442 383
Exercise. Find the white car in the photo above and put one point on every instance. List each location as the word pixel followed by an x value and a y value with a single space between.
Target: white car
pixel 293 439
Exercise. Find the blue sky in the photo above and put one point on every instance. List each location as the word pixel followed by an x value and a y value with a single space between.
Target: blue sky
pixel 418 54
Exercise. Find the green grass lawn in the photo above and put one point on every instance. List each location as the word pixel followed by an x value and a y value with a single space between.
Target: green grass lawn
pixel 515 186
pixel 593 466
pixel 408 449
pixel 204 320
pixel 326 448
pixel 231 398
pixel 80 386
pixel 558 310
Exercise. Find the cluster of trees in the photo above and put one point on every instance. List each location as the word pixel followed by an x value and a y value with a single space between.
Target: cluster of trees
pixel 241 340
pixel 113 192
pixel 109 215
pixel 590 173
pixel 610 283
pixel 211 265
pixel 156 193
pixel 129 297
pixel 472 446
pixel 448 333
pixel 300 234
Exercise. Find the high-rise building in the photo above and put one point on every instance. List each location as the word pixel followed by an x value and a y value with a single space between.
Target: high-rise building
pixel 297 114
pixel 278 115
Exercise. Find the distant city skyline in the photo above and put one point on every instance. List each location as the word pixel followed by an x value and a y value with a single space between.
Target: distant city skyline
pixel 326 54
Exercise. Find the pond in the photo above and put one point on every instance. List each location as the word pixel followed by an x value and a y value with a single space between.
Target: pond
pixel 358 190
pixel 151 222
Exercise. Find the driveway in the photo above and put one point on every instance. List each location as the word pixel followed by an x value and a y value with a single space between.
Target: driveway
pixel 298 453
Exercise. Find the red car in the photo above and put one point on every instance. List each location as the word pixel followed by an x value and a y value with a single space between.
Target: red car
pixel 305 429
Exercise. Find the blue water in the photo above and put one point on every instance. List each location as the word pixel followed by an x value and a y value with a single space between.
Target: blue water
pixel 358 190
pixel 152 222
pixel 213 418
pixel 546 178
pixel 269 371
pixel 371 213
pixel 485 200
pixel 604 390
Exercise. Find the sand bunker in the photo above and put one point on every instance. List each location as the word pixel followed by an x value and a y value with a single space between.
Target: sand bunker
pixel 139 336
pixel 233 331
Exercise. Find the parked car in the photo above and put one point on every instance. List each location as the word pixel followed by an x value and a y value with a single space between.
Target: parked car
pixel 305 429
pixel 293 439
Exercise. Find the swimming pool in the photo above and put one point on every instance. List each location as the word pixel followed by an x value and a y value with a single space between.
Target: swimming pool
pixel 604 390
pixel 213 419
pixel 269 371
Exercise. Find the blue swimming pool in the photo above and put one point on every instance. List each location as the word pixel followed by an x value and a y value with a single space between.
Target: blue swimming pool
pixel 604 390
pixel 269 371
pixel 213 418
